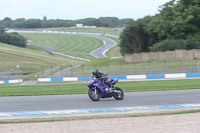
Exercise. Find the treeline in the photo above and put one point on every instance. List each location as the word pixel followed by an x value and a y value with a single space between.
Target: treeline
pixel 37 23
pixel 177 26
pixel 11 38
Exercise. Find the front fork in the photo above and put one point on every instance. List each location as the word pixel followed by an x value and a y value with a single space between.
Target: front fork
pixel 95 91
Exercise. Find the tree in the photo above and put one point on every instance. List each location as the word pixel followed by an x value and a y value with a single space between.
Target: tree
pixel 135 38
pixel 107 22
pixel 37 23
pixel 44 18
pixel 175 27
pixel 7 19
pixel 11 38
pixel 177 19
pixel 33 23
pixel 2 29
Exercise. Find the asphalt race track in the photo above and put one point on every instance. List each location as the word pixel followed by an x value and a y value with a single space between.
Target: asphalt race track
pixel 82 101
pixel 100 52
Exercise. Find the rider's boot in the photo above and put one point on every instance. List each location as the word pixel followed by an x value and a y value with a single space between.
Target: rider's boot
pixel 107 89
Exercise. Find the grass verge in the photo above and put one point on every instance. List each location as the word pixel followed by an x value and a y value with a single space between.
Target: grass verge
pixel 136 86
pixel 29 61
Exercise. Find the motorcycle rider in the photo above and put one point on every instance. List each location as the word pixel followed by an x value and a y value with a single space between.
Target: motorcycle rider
pixel 100 75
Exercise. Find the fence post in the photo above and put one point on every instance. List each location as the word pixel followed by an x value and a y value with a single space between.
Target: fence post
pixel 83 70
pixel 21 74
pixel 15 74
pixel 165 67
pixel 42 74
pixel 150 67
pixel 121 69
pixel 108 71
pixel 51 72
pixel 71 70
pixel 134 68
pixel 18 72
pixel 180 66
pixel 195 64
pixel 10 74
pixel 61 67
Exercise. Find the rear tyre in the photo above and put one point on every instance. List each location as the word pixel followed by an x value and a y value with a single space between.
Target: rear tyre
pixel 119 94
pixel 93 96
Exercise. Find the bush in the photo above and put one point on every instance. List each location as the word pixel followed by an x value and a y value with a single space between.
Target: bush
pixel 170 45
pixel 12 39
pixel 191 44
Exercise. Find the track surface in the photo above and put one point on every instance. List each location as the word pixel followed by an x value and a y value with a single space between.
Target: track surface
pixel 100 52
pixel 67 102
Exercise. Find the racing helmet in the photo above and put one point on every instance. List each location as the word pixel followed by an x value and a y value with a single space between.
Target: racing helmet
pixel 95 72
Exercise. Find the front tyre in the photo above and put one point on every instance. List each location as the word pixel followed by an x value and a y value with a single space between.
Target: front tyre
pixel 119 95
pixel 94 96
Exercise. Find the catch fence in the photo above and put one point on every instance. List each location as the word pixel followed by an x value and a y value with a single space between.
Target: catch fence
pixel 162 67
pixel 112 69
pixel 11 74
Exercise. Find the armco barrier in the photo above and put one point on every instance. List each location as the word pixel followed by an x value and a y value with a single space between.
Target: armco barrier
pixel 11 81
pixel 150 76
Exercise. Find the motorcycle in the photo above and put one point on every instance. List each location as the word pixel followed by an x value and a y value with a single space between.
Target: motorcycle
pixel 99 89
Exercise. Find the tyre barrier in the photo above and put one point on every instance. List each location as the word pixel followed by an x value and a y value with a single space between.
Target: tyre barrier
pixel 128 77
pixel 81 33
pixel 11 81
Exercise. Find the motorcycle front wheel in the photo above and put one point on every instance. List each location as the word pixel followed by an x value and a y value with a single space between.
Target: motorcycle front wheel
pixel 119 94
pixel 94 96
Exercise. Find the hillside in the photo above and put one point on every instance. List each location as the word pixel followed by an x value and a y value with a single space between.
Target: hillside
pixel 30 61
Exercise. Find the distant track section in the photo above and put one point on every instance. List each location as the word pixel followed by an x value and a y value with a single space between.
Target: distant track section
pixel 97 53
pixel 100 52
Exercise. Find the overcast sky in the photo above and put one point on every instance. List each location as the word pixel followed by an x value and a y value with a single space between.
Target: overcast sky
pixel 78 9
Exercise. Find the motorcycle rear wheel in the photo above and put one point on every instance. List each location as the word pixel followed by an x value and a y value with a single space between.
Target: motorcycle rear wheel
pixel 93 96
pixel 119 95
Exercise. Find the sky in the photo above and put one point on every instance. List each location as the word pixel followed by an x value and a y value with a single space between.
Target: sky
pixel 78 9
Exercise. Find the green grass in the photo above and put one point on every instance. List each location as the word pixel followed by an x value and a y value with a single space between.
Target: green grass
pixel 114 31
pixel 43 90
pixel 138 86
pixel 74 45
pixel 163 85
pixel 85 56
pixel 29 60
pixel 115 51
